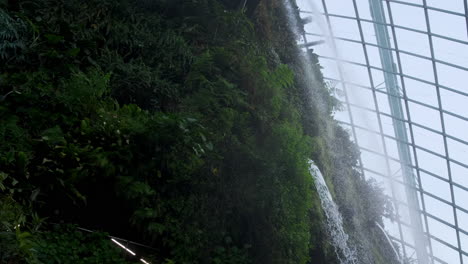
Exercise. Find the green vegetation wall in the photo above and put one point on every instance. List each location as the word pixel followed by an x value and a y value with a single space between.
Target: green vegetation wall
pixel 183 125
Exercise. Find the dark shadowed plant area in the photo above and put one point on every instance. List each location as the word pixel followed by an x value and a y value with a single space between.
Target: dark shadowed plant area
pixel 182 125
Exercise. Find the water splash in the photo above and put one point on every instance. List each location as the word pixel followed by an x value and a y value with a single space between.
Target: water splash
pixel 309 78
pixel 397 255
pixel 334 224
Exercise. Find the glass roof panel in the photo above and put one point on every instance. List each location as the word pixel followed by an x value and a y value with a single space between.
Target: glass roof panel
pixel 434 67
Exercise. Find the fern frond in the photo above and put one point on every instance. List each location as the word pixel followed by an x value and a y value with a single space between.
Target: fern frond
pixel 12 35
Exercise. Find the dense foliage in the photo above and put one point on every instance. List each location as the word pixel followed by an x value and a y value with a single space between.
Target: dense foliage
pixel 176 123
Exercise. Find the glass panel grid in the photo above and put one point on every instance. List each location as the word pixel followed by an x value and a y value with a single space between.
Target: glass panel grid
pixel 431 74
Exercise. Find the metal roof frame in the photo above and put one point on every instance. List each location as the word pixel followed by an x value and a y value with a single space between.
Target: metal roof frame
pixel 388 26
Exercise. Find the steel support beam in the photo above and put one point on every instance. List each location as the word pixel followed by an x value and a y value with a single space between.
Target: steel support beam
pixel 396 108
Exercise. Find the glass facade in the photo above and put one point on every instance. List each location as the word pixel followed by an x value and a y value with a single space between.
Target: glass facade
pixel 400 70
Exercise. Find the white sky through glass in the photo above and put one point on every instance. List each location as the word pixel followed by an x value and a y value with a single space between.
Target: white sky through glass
pixel 442 158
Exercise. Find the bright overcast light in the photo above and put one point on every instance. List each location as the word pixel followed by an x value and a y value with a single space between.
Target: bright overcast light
pixel 431 74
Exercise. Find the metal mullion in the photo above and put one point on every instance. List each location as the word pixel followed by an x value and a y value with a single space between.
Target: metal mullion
pixel 420 80
pixel 431 215
pixel 446 223
pixel 455 115
pixel 341 75
pixel 425 193
pixel 439 100
pixel 409 100
pixel 428 7
pixel 339 38
pixel 376 132
pixel 353 129
pixel 441 112
pixel 345 92
pixel 425 171
pixel 393 49
pixel 394 138
pixel 417 124
pixel 365 108
pixel 347 82
pixel 445 180
pixel 415 156
pixel 401 74
pixel 415 188
pixel 415 145
pixel 430 195
pixel 431 83
pixel 382 155
pixel 385 176
pixel 443 200
pixel 439 109
pixel 365 128
pixel 347 101
pixel 371 79
pixel 419 103
pixel 414 167
pixel 425 105
pixel 465 4
pixel 447 158
pixel 379 120
pixel 441 133
pixel 421 212
pixel 418 189
pixel 397 181
pixel 380 174
pixel 347 61
pixel 396 26
pixel 460 251
pixel 411 246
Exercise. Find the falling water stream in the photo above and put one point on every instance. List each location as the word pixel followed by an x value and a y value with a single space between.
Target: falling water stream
pixel 334 224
